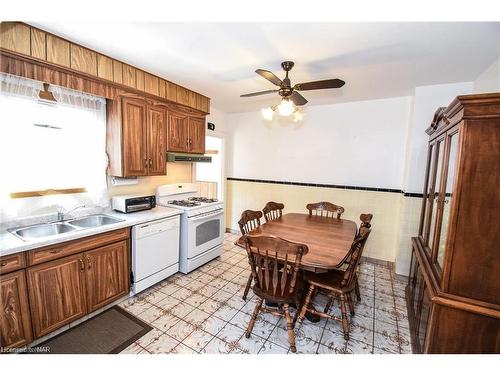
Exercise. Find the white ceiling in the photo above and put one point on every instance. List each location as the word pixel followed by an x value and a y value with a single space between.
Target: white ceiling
pixel 376 60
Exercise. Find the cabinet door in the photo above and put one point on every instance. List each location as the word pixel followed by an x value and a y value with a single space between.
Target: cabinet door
pixel 447 198
pixel 135 159
pixel 157 140
pixel 433 200
pixel 177 132
pixel 423 313
pixel 107 274
pixel 197 135
pixel 15 322
pixel 57 293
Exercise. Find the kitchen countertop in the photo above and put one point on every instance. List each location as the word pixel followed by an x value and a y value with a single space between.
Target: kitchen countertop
pixel 10 244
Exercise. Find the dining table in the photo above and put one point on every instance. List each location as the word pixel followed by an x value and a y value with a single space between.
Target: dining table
pixel 328 239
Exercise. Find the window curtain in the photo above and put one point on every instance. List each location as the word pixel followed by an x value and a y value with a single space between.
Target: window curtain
pixel 50 146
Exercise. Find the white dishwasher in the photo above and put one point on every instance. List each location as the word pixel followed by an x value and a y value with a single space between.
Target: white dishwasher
pixel 155 252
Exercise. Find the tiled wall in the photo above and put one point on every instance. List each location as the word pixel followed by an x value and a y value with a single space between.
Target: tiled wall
pixel 390 210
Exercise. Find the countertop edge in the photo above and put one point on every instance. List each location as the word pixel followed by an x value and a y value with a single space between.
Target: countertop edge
pixel 10 244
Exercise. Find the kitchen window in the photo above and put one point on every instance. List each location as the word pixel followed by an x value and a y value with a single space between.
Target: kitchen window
pixel 50 145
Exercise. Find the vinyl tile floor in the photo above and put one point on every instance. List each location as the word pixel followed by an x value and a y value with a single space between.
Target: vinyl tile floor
pixel 203 312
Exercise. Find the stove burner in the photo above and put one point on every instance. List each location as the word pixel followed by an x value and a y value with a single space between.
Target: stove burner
pixel 202 199
pixel 184 203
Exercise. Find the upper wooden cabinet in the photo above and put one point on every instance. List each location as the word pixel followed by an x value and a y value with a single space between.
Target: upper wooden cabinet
pixel 157 140
pixel 196 132
pixel 134 138
pixel 177 133
pixel 49 48
pixel 185 133
pixel 137 138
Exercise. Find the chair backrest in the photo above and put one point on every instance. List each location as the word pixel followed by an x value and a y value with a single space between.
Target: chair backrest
pixel 249 221
pixel 325 209
pixel 355 255
pixel 273 210
pixel 365 220
pixel 275 263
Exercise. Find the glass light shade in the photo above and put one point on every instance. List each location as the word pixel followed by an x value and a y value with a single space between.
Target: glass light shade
pixel 267 113
pixel 286 107
pixel 298 116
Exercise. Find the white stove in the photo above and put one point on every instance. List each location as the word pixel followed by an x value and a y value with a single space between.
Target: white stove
pixel 202 224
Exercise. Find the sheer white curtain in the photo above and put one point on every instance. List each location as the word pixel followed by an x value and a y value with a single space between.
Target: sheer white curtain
pixel 50 146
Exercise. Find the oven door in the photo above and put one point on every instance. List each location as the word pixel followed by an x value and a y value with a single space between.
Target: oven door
pixel 205 232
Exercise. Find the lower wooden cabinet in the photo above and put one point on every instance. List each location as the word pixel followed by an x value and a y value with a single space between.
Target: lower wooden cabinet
pixel 15 323
pixel 57 293
pixel 107 274
pixel 44 297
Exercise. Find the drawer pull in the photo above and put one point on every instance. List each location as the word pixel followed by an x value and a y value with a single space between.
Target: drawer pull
pixel 57 251
pixel 3 264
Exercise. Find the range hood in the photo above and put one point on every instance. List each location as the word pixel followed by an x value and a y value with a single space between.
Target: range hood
pixel 187 158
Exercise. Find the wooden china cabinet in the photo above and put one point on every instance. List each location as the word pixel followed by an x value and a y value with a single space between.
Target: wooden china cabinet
pixel 453 293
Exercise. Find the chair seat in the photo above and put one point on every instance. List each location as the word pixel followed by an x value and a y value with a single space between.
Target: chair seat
pixel 330 280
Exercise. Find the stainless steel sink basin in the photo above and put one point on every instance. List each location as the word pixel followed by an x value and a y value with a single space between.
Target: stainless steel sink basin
pixel 94 221
pixel 42 230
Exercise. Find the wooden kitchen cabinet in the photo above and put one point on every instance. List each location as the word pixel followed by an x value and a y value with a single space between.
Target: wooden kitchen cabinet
pixel 57 293
pixel 137 138
pixel 177 132
pixel 185 133
pixel 196 135
pixel 135 141
pixel 63 290
pixel 107 274
pixel 157 140
pixel 15 322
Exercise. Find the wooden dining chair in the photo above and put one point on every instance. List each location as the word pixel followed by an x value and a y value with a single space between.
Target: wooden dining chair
pixel 336 284
pixel 273 211
pixel 275 265
pixel 325 209
pixel 365 223
pixel 249 221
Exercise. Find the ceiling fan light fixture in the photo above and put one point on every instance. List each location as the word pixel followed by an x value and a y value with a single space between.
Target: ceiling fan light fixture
pixel 286 107
pixel 297 115
pixel 267 113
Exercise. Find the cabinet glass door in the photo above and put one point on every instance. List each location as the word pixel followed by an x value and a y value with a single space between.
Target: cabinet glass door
pixel 434 193
pixel 427 190
pixel 448 196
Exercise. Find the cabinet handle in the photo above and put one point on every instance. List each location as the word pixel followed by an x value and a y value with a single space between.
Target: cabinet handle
pixel 89 262
pixel 150 162
pixel 57 251
pixel 82 264
pixel 3 264
pixel 145 162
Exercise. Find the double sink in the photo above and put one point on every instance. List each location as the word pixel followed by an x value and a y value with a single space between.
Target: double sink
pixel 37 231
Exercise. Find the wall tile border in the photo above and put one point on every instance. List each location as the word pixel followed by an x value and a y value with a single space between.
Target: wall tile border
pixel 347 187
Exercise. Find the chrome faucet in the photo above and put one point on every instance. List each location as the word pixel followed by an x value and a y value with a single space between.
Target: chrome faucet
pixel 61 211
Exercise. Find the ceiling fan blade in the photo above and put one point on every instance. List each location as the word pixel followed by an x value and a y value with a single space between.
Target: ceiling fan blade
pixel 269 76
pixel 258 93
pixel 298 99
pixel 318 85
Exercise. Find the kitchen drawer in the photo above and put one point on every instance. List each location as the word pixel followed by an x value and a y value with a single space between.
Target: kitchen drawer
pixel 9 263
pixel 44 254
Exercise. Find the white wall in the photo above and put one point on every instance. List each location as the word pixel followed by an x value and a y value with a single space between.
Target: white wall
pixel 426 101
pixel 359 143
pixel 488 80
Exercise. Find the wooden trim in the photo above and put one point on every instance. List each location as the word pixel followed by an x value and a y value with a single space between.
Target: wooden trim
pixel 40 193
pixel 65 58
